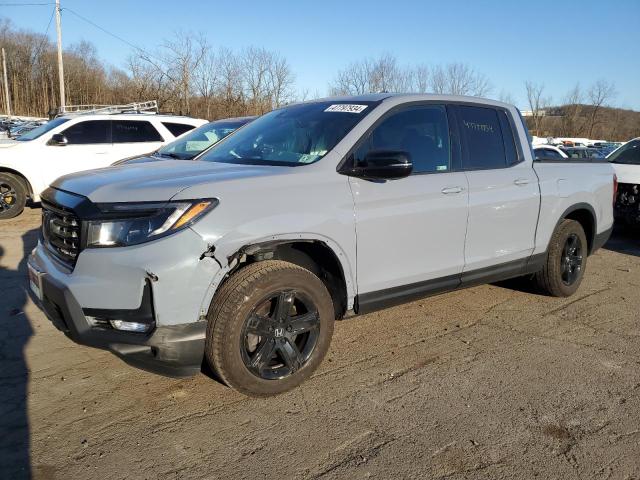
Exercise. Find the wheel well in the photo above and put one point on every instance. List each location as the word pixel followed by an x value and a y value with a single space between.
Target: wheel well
pixel 315 256
pixel 25 182
pixel 586 219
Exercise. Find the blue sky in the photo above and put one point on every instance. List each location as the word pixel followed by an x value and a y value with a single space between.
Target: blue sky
pixel 553 42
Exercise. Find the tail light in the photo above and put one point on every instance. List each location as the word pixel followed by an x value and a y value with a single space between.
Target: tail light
pixel 615 188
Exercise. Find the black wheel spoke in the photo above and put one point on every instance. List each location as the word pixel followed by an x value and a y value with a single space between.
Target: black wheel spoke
pixel 263 355
pixel 258 325
pixel 283 306
pixel 290 354
pixel 571 259
pixel 303 323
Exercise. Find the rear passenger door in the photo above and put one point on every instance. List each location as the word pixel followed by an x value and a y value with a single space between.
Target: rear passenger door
pixel 410 232
pixel 134 137
pixel 504 197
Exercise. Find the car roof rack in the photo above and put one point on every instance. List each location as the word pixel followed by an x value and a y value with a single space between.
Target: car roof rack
pixel 150 106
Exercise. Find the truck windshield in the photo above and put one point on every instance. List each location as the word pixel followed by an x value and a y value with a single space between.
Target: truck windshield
pixel 42 129
pixel 291 136
pixel 629 153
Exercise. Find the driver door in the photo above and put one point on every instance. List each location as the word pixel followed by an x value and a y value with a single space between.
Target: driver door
pixel 410 232
pixel 88 144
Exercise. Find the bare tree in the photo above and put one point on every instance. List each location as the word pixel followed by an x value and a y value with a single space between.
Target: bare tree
pixel 506 97
pixel 599 95
pixel 459 79
pixel 571 124
pixel 538 103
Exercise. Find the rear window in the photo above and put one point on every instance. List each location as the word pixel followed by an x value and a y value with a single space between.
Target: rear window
pixel 177 129
pixel 628 154
pixel 134 131
pixel 484 145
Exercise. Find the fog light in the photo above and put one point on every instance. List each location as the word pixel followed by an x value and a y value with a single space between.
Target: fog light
pixel 130 326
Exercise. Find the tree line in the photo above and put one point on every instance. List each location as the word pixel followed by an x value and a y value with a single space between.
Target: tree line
pixel 187 75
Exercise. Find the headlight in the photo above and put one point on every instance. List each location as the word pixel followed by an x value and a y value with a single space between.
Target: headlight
pixel 133 223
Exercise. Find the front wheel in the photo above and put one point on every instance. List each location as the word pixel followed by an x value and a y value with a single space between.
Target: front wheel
pixel 269 327
pixel 566 261
pixel 13 196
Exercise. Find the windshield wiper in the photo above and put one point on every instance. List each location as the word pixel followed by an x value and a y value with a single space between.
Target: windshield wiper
pixel 171 155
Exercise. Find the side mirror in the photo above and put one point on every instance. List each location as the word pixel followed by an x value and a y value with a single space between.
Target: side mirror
pixel 384 165
pixel 58 139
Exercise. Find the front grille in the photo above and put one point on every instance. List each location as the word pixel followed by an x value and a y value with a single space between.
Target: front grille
pixel 61 232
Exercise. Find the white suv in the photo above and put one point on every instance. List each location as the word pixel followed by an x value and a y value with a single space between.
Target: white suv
pixel 75 143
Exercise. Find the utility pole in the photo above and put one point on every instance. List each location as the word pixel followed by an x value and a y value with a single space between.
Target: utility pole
pixel 60 67
pixel 6 84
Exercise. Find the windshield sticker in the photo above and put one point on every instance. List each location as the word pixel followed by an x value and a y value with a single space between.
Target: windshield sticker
pixel 346 108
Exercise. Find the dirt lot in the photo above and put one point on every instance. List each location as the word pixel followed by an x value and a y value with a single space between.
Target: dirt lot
pixel 491 382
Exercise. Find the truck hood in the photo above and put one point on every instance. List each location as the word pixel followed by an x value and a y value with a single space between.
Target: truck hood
pixel 155 181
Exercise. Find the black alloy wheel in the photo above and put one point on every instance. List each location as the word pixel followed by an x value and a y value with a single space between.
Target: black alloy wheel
pixel 280 335
pixel 8 197
pixel 572 257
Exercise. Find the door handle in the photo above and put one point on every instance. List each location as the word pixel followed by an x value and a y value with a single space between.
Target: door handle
pixel 450 190
pixel 521 181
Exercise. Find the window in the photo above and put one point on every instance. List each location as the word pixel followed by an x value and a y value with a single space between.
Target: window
pixel 482 138
pixel 198 140
pixel 290 136
pixel 629 153
pixel 422 132
pixel 177 129
pixel 42 129
pixel 130 131
pixel 89 132
pixel 509 141
pixel 545 153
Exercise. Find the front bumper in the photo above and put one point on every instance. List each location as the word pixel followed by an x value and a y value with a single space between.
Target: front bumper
pixel 113 283
pixel 174 351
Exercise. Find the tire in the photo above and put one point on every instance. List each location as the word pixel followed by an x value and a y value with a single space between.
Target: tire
pixel 245 313
pixel 556 277
pixel 13 196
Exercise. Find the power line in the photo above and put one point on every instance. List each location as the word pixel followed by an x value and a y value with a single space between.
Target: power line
pixel 45 39
pixel 85 19
pixel 25 4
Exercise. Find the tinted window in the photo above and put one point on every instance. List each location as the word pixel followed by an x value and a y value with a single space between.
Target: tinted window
pixel 291 136
pixel 629 153
pixel 422 132
pixel 482 138
pixel 89 132
pixel 543 153
pixel 509 141
pixel 129 131
pixel 177 129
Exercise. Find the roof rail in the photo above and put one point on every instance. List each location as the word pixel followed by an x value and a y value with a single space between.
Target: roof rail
pixel 150 106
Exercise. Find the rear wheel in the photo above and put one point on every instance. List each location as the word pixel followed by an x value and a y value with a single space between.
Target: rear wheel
pixel 269 328
pixel 13 196
pixel 566 260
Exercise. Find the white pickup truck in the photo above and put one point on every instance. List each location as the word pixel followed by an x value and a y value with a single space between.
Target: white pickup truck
pixel 77 142
pixel 246 256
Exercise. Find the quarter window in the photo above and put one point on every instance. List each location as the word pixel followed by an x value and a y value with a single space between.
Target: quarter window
pixel 420 131
pixel 134 131
pixel 177 129
pixel 89 132
pixel 484 145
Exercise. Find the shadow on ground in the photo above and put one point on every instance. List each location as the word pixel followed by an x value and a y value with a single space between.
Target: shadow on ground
pixel 15 331
pixel 625 240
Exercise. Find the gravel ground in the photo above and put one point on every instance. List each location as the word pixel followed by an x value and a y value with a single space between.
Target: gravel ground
pixel 491 382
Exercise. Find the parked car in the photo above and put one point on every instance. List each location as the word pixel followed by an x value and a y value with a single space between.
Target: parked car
pixel 582 152
pixel 190 145
pixel 313 211
pixel 549 152
pixel 626 162
pixel 71 143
